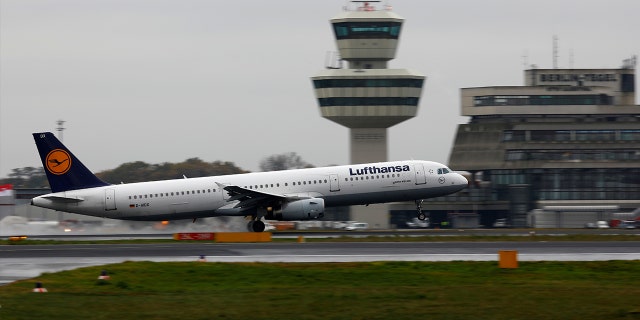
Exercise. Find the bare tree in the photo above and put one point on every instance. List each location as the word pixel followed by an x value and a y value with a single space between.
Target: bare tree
pixel 284 161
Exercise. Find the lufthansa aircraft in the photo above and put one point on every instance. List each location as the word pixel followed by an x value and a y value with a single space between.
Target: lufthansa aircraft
pixel 282 195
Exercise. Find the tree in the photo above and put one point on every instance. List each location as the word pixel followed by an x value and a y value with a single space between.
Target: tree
pixel 141 171
pixel 284 161
pixel 129 172
pixel 27 177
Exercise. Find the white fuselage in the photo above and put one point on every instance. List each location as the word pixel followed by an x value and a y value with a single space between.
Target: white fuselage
pixel 204 197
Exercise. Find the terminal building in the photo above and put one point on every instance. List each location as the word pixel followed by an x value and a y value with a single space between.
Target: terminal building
pixel 566 143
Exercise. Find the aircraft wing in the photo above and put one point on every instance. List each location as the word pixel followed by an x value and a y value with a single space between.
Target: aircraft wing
pixel 250 198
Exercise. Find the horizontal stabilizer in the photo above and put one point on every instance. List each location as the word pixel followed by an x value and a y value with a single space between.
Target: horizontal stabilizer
pixel 61 199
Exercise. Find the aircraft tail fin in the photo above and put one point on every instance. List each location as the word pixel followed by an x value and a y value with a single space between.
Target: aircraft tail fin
pixel 64 171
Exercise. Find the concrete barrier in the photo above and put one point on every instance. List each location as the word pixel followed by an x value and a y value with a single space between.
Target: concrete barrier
pixel 243 237
pixel 194 236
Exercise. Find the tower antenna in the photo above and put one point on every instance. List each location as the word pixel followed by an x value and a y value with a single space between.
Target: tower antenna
pixel 60 128
pixel 570 58
pixel 525 59
pixel 555 52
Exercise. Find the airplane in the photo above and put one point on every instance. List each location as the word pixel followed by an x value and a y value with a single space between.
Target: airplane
pixel 299 194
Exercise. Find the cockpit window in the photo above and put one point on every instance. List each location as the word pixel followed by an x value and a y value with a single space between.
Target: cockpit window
pixel 443 171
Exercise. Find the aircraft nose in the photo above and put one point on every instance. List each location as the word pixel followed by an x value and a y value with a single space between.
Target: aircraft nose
pixel 461 179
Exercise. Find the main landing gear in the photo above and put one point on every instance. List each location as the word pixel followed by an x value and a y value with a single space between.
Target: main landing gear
pixel 421 215
pixel 255 226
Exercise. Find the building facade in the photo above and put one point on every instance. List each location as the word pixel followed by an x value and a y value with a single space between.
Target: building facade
pixel 568 137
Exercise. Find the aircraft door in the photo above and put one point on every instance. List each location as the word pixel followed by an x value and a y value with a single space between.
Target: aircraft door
pixel 110 199
pixel 334 183
pixel 421 178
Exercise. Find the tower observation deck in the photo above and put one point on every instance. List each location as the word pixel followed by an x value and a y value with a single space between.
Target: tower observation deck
pixel 367 97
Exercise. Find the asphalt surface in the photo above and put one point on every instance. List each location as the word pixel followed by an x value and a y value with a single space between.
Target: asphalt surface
pixel 20 262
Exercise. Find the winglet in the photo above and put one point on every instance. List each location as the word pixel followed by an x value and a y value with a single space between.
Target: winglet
pixel 64 171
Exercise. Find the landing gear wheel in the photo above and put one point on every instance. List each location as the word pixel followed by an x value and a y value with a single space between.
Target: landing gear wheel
pixel 255 226
pixel 421 216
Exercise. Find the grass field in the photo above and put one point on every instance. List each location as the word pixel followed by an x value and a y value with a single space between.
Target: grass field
pixel 377 290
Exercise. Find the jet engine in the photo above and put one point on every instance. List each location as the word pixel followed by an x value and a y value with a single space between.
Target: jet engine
pixel 304 209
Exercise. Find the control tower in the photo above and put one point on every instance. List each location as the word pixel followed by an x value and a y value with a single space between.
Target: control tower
pixel 367 97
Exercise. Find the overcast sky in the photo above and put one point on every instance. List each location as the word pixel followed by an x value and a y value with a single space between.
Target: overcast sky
pixel 167 80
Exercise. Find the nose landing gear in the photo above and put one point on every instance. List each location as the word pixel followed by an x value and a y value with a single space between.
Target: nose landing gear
pixel 421 215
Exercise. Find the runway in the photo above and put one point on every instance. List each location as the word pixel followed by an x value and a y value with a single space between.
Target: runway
pixel 20 262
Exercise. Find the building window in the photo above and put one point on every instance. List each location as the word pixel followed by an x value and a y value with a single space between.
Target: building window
pixel 368 101
pixel 595 135
pixel 543 100
pixel 550 135
pixel 368 83
pixel 367 30
pixel 513 135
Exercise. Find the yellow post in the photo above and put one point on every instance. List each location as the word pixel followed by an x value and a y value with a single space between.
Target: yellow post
pixel 508 259
pixel 300 239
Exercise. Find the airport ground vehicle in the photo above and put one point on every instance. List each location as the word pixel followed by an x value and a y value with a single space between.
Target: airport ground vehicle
pixel 357 226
